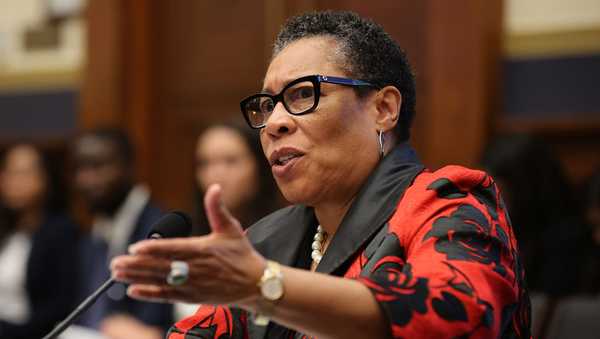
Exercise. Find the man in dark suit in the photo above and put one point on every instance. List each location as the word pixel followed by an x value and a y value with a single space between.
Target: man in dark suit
pixel 122 214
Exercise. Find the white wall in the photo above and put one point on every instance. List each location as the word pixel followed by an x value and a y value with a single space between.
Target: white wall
pixel 538 16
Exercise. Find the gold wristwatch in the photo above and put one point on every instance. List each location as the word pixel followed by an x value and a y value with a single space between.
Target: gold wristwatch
pixel 271 289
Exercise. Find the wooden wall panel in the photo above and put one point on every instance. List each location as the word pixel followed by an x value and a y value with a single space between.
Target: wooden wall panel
pixel 209 56
pixel 461 62
pixel 102 89
pixel 138 83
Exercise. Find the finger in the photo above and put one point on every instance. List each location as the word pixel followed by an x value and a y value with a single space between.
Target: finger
pixel 175 248
pixel 219 218
pixel 140 263
pixel 198 276
pixel 159 293
pixel 139 277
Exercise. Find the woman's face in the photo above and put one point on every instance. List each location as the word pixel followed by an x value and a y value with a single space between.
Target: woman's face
pixel 22 180
pixel 223 157
pixel 333 149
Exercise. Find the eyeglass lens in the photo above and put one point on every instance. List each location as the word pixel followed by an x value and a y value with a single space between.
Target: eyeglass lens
pixel 297 99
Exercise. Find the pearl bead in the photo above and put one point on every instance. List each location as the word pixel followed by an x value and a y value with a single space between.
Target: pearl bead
pixel 316 245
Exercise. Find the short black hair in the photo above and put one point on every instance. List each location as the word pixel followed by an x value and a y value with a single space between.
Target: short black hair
pixel 119 138
pixel 370 54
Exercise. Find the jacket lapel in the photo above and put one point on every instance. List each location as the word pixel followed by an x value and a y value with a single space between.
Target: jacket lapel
pixel 278 236
pixel 374 205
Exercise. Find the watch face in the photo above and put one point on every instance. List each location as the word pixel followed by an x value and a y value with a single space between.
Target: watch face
pixel 272 289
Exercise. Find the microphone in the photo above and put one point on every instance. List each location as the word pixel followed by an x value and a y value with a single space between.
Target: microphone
pixel 171 225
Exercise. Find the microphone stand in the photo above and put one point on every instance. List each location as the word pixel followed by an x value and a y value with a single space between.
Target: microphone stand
pixel 171 225
pixel 80 309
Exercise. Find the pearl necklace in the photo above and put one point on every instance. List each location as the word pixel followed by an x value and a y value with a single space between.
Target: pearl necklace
pixel 317 245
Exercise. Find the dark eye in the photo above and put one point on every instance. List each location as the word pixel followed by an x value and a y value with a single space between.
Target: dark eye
pixel 231 160
pixel 202 163
pixel 266 105
pixel 304 92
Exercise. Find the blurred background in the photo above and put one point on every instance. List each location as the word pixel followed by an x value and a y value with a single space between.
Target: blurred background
pixel 163 71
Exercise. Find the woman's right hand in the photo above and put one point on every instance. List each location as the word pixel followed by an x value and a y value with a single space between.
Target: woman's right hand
pixel 224 268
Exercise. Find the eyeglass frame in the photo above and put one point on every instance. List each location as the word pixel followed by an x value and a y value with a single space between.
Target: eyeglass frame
pixel 316 80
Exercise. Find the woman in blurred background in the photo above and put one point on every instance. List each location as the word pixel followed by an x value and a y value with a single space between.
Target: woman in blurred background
pixel 589 278
pixel 542 209
pixel 544 216
pixel 37 246
pixel 230 154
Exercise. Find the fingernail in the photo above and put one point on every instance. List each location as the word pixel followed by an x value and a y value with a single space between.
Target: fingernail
pixel 130 291
pixel 114 275
pixel 132 249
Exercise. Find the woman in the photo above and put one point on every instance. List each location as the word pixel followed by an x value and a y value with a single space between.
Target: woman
pixel 398 251
pixel 230 155
pixel 37 247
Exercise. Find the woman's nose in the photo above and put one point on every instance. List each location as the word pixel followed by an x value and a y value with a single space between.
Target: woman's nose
pixel 280 122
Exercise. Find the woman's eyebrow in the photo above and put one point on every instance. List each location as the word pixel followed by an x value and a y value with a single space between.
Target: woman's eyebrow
pixel 285 81
pixel 267 90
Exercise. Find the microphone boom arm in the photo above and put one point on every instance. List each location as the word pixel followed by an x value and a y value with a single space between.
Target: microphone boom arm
pixel 80 309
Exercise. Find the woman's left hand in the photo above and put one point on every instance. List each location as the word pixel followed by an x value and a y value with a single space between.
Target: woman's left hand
pixel 224 268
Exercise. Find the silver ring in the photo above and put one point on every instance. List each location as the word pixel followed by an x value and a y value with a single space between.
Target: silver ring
pixel 178 274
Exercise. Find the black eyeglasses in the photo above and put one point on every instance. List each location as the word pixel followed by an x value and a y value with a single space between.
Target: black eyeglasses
pixel 300 96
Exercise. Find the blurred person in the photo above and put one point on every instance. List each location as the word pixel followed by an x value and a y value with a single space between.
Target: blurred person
pixel 577 316
pixel 38 245
pixel 589 277
pixel 122 214
pixel 374 245
pixel 544 216
pixel 229 154
pixel 542 209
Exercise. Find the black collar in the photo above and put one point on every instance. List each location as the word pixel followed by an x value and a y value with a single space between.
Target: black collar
pixel 279 236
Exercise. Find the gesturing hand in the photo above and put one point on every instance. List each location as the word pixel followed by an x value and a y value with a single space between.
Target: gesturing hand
pixel 224 268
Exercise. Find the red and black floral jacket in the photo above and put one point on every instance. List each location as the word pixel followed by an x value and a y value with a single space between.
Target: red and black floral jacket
pixel 435 248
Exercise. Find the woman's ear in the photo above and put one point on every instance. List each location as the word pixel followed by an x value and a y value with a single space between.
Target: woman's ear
pixel 387 103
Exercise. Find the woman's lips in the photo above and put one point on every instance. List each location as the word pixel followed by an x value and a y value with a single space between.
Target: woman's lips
pixel 284 169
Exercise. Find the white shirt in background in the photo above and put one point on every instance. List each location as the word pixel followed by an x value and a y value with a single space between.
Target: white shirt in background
pixel 14 255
